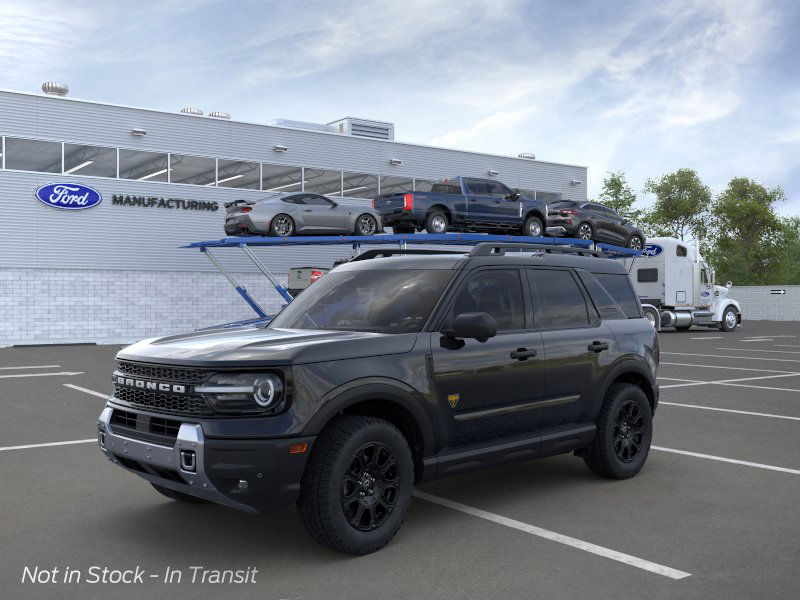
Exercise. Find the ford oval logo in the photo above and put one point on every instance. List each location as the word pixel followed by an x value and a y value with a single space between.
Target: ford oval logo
pixel 652 250
pixel 705 294
pixel 68 196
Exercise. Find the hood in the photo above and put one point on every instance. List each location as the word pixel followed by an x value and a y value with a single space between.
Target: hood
pixel 257 346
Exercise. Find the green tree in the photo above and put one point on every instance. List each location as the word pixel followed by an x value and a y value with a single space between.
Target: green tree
pixel 617 194
pixel 681 205
pixel 750 243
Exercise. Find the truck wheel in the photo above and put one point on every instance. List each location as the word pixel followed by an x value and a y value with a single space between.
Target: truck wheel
pixel 729 321
pixel 436 222
pixel 281 226
pixel 533 227
pixel 402 229
pixel 366 225
pixel 624 432
pixel 176 495
pixel 356 489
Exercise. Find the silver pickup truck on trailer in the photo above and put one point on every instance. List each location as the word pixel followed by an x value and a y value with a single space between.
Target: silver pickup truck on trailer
pixel 676 288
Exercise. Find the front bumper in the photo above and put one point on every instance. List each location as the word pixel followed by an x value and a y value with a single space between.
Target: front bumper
pixel 271 474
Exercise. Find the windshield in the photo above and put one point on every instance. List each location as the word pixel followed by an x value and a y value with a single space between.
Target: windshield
pixel 390 301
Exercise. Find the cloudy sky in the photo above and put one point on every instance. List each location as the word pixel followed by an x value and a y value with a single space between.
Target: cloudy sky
pixel 641 87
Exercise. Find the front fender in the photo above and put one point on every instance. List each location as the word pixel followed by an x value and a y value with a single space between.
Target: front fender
pixel 725 303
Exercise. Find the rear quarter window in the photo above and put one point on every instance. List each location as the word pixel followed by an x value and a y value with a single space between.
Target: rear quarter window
pixel 618 286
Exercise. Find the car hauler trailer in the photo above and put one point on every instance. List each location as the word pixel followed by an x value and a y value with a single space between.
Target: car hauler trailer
pixel 677 288
pixel 545 244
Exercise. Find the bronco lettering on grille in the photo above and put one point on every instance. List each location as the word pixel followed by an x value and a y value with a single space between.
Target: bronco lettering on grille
pixel 175 388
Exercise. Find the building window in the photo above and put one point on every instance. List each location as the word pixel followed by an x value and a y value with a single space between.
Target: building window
pixel 359 185
pixel 97 161
pixel 33 155
pixel 238 174
pixel 423 185
pixel 396 185
pixel 321 181
pixel 194 170
pixel 144 166
pixel 280 178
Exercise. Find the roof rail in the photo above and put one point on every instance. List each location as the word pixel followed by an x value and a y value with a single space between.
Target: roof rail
pixel 491 248
pixel 399 251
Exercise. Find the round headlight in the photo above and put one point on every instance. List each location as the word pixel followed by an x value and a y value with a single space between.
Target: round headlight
pixel 267 390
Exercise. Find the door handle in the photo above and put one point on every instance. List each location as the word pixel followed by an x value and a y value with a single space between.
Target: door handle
pixel 308 210
pixel 523 353
pixel 598 346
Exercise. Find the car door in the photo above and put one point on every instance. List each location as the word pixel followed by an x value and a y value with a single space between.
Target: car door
pixel 323 215
pixel 481 204
pixel 505 207
pixel 578 347
pixel 488 389
pixel 616 225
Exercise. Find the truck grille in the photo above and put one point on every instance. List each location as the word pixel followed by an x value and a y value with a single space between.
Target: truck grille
pixel 162 402
pixel 163 372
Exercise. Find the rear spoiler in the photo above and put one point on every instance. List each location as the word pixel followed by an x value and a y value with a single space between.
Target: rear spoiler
pixel 239 202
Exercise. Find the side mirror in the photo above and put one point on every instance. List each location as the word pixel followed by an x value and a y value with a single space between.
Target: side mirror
pixel 478 325
pixel 334 204
pixel 729 285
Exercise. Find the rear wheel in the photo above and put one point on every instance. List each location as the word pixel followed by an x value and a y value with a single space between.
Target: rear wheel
pixel 635 242
pixel 585 231
pixel 356 488
pixel 729 320
pixel 624 432
pixel 533 227
pixel 436 222
pixel 281 226
pixel 176 495
pixel 366 224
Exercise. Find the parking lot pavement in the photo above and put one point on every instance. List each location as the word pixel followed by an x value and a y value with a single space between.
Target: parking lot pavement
pixel 719 522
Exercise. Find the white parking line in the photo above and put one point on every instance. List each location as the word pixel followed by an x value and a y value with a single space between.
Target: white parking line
pixel 41 374
pixel 31 367
pixel 759 340
pixel 709 337
pixel 759 350
pixel 760 387
pixel 556 537
pixel 788 345
pixel 81 389
pixel 48 444
pixel 740 357
pixel 727 381
pixel 722 367
pixel 730 410
pixel 727 460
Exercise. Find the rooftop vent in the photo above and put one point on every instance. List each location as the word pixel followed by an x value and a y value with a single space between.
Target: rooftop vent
pixel 377 130
pixel 219 115
pixel 527 155
pixel 302 125
pixel 192 111
pixel 51 88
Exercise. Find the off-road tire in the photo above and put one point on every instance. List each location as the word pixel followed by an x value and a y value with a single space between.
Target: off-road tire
pixel 176 495
pixel 323 485
pixel 430 221
pixel 602 458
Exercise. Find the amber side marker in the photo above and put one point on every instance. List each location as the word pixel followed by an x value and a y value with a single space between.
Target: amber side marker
pixel 298 448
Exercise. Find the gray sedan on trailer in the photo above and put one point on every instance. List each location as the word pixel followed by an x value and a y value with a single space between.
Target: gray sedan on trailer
pixel 300 213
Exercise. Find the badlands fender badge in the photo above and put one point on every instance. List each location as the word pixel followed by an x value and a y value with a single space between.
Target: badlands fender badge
pixel 453 399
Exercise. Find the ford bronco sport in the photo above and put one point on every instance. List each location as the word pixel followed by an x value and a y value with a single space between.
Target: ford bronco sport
pixel 391 371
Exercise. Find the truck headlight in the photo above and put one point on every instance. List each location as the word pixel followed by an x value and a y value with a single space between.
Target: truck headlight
pixel 243 392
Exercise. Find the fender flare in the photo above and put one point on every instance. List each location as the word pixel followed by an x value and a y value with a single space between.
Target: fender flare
pixel 621 368
pixel 375 388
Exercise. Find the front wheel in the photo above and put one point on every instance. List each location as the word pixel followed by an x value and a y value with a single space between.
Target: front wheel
pixel 356 489
pixel 533 227
pixel 624 432
pixel 729 320
pixel 366 225
pixel 281 226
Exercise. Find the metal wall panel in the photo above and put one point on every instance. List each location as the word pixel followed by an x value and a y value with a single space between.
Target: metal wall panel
pixel 138 238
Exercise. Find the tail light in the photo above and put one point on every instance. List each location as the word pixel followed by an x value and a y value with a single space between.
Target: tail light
pixel 373 203
pixel 247 209
pixel 569 211
pixel 315 275
pixel 408 201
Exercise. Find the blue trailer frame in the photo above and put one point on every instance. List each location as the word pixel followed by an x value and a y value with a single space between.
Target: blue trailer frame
pixel 401 240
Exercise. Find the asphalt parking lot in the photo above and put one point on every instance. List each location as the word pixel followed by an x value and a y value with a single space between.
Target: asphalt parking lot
pixel 714 513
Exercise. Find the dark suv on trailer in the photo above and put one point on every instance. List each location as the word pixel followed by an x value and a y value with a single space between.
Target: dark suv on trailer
pixel 390 371
pixel 592 221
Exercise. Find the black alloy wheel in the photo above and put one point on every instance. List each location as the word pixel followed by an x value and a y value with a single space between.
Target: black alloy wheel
pixel 628 431
pixel 585 231
pixel 370 487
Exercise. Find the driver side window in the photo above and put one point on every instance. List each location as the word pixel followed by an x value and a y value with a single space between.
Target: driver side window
pixel 497 292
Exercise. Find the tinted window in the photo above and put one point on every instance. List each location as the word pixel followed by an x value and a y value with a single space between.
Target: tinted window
pixel 495 188
pixel 647 275
pixel 619 287
pixel 559 299
pixel 497 292
pixel 294 199
pixel 559 204
pixel 358 301
pixel 475 186
pixel 448 187
pixel 317 200
pixel 681 251
pixel 605 304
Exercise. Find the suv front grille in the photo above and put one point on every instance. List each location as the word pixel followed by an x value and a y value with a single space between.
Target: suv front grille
pixel 176 404
pixel 163 372
pixel 157 430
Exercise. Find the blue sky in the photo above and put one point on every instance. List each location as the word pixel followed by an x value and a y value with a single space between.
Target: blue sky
pixel 640 87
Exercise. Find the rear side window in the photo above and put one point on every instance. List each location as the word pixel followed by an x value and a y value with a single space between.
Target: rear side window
pixel 476 186
pixel 446 187
pixel 560 301
pixel 618 286
pixel 647 275
pixel 681 251
pixel 606 305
